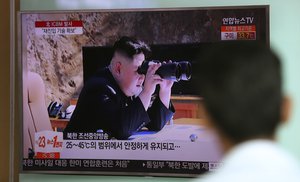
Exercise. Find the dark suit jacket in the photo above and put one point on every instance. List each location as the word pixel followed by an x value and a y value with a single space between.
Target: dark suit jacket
pixel 103 106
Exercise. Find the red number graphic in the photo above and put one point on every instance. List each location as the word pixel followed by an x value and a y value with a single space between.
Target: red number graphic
pixel 42 141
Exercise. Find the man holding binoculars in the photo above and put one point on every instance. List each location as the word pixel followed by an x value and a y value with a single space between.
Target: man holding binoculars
pixel 119 99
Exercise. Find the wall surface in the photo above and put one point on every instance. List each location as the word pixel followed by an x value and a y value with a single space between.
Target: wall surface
pixel 4 90
pixel 285 39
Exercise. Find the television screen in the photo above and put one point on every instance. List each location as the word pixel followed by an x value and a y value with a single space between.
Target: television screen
pixel 62 51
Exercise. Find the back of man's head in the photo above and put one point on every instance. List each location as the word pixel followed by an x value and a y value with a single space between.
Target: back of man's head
pixel 129 46
pixel 241 86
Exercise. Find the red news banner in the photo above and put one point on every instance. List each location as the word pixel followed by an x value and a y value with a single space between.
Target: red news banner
pixel 58 27
pixel 238 29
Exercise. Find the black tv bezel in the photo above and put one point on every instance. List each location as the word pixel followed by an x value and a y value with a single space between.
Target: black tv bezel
pixel 20 68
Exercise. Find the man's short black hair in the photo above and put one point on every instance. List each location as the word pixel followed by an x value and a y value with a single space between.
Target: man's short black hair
pixel 241 86
pixel 130 46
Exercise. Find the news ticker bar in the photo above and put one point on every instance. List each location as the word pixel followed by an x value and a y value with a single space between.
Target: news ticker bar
pixel 105 165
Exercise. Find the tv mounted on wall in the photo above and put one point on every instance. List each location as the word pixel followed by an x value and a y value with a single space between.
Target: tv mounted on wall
pixel 61 50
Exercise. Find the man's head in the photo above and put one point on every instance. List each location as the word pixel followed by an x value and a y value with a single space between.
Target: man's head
pixel 129 54
pixel 241 86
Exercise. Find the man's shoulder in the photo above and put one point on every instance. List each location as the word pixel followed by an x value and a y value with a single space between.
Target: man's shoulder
pixel 101 79
pixel 96 81
pixel 101 84
pixel 257 160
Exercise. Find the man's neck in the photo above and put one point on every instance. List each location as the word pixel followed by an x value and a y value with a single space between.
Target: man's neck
pixel 228 144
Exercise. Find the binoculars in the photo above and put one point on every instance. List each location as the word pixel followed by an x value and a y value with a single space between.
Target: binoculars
pixel 174 71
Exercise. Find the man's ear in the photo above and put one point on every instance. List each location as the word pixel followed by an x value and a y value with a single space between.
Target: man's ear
pixel 117 68
pixel 286 107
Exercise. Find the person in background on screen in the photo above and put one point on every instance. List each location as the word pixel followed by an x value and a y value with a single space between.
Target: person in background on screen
pixel 241 84
pixel 118 100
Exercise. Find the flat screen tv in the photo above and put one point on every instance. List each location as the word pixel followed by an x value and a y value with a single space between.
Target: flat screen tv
pixel 61 50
